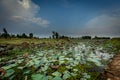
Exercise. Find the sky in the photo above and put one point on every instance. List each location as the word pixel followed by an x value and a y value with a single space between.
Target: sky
pixel 67 17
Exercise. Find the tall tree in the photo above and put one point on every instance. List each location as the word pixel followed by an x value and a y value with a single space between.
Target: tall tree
pixel 5 31
pixel 31 35
pixel 55 35
pixel 5 34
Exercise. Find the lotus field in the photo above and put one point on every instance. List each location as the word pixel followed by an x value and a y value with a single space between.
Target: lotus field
pixel 83 60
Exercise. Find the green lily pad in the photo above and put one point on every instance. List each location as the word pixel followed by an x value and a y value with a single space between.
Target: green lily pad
pixel 9 72
pixel 20 61
pixel 26 71
pixel 56 73
pixel 57 78
pixel 37 77
pixel 73 74
pixel 44 77
pixel 49 77
pixel 9 66
pixel 66 75
pixel 30 63
pixel 20 67
pixel 11 78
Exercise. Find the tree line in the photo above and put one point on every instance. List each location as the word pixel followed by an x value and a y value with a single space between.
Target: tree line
pixel 5 34
pixel 55 35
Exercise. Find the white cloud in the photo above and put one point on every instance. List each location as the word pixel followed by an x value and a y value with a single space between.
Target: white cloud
pixel 106 24
pixel 23 10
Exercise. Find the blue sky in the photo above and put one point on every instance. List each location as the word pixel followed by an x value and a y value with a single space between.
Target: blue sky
pixel 68 17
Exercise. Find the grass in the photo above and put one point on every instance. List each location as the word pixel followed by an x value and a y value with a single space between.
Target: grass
pixel 113 45
pixel 21 40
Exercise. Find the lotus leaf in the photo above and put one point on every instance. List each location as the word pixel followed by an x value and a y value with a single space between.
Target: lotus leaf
pixel 86 76
pixel 30 63
pixel 45 77
pixel 20 61
pixel 56 73
pixel 73 74
pixel 9 66
pixel 20 67
pixel 66 75
pixel 49 77
pixel 75 70
pixel 11 78
pixel 57 78
pixel 26 71
pixel 44 68
pixel 9 72
pixel 61 62
pixel 37 76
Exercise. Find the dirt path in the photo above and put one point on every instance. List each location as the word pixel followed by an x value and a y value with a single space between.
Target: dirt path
pixel 112 72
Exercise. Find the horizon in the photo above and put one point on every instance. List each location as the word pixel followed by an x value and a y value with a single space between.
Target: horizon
pixel 71 36
pixel 73 18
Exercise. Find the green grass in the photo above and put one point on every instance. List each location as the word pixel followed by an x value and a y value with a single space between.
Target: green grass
pixel 21 40
pixel 113 45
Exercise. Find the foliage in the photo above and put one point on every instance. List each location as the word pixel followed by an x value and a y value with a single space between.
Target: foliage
pixel 86 37
pixel 71 62
pixel 31 35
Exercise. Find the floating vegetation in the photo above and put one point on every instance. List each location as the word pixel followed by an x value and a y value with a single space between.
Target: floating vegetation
pixel 76 63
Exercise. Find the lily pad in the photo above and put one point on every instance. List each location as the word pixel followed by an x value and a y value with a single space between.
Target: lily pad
pixel 11 78
pixel 57 78
pixel 20 67
pixel 9 66
pixel 9 72
pixel 26 71
pixel 37 77
pixel 49 77
pixel 66 75
pixel 56 73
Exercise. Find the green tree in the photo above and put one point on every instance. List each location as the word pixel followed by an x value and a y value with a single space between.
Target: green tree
pixel 5 31
pixel 5 34
pixel 86 37
pixel 55 35
pixel 31 35
pixel 24 35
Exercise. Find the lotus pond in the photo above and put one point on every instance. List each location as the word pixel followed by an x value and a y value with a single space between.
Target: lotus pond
pixel 80 61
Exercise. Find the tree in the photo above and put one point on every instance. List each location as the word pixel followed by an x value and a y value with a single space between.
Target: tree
pixel 18 36
pixel 13 36
pixel 55 35
pixel 0 35
pixel 86 37
pixel 24 35
pixel 5 31
pixel 5 34
pixel 31 35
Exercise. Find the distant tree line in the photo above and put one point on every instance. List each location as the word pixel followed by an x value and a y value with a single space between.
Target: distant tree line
pixel 55 35
pixel 5 34
pixel 96 37
pixel 86 37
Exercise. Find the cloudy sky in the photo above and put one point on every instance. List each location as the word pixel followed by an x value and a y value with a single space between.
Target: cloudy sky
pixel 68 17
